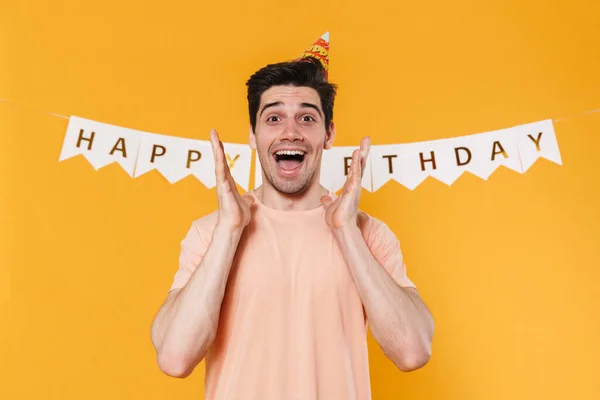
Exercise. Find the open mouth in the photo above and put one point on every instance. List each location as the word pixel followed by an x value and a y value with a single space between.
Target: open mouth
pixel 289 159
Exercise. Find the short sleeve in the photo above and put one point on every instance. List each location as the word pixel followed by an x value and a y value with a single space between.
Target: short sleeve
pixel 193 248
pixel 385 247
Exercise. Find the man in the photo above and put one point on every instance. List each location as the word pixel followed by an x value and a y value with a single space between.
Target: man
pixel 275 288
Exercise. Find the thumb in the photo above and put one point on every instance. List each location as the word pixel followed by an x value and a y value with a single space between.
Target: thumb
pixel 326 200
pixel 248 199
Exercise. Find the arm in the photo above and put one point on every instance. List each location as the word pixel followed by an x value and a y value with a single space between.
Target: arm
pixel 186 324
pixel 399 320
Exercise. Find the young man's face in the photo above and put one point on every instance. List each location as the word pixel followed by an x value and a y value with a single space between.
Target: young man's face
pixel 290 136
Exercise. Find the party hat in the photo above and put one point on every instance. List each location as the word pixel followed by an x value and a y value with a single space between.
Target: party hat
pixel 320 51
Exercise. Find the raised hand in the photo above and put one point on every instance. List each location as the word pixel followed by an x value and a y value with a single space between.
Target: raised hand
pixel 343 211
pixel 234 210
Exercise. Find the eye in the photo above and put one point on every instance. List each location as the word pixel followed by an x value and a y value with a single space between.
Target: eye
pixel 307 118
pixel 273 118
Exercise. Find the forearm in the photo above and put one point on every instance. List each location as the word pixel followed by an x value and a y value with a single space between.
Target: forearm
pixel 399 321
pixel 186 325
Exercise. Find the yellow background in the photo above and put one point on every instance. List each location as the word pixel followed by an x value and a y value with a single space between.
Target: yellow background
pixel 508 266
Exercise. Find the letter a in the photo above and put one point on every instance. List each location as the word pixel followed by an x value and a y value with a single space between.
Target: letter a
pixel 122 149
pixel 494 152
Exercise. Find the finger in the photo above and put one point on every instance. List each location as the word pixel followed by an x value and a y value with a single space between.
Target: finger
pixel 233 186
pixel 354 181
pixel 365 146
pixel 351 173
pixel 215 141
pixel 350 176
pixel 218 156
pixel 356 165
pixel 347 188
pixel 226 168
pixel 236 193
pixel 225 163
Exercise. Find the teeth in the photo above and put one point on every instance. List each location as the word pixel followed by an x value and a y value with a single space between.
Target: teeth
pixel 290 153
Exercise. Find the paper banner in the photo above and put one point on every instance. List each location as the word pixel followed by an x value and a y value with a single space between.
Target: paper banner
pixel 536 140
pixel 334 166
pixel 446 159
pixel 175 158
pixel 101 144
pixel 516 148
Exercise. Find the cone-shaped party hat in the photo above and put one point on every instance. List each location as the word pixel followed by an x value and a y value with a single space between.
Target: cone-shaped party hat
pixel 320 51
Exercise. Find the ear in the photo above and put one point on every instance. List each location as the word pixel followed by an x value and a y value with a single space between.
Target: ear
pixel 330 136
pixel 251 137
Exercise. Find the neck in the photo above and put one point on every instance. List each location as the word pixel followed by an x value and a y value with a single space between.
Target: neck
pixel 309 199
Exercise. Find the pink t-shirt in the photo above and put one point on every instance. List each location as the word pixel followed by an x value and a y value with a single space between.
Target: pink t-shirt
pixel 292 325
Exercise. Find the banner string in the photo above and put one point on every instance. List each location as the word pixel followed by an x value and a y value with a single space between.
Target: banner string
pixel 576 115
pixel 32 109
pixel 65 117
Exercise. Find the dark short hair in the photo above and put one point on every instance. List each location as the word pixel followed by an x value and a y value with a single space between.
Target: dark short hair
pixel 308 72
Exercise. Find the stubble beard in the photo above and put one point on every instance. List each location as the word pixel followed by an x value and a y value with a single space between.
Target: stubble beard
pixel 294 186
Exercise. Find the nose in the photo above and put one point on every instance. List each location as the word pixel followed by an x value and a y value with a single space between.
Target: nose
pixel 291 132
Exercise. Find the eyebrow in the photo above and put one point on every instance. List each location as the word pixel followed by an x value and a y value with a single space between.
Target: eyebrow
pixel 279 103
pixel 274 104
pixel 310 105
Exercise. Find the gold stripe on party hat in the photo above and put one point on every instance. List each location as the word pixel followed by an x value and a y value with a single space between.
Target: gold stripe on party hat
pixel 320 51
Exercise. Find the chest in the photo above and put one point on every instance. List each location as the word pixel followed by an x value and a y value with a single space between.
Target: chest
pixel 291 262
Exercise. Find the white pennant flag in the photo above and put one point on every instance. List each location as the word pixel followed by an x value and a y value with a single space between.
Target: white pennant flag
pixel 401 162
pixel 536 140
pixel 483 153
pixel 446 159
pixel 239 158
pixel 176 158
pixel 101 144
pixel 257 172
pixel 335 165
